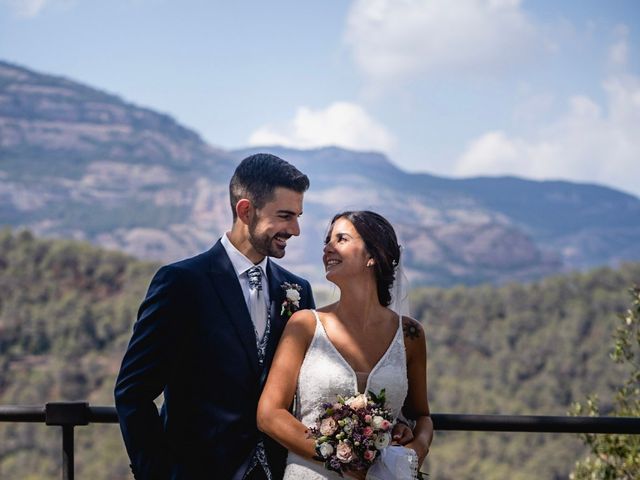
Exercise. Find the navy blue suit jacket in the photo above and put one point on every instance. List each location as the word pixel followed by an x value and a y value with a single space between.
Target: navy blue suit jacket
pixel 194 340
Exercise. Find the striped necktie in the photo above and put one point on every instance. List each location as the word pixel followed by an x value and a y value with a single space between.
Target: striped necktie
pixel 257 304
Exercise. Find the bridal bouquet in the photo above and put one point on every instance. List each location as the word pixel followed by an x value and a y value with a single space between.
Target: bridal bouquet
pixel 350 433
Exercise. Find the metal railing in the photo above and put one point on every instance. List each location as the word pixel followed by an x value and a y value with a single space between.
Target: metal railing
pixel 69 415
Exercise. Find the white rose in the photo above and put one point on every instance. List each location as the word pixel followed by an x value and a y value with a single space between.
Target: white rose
pixel 376 422
pixel 358 402
pixel 382 440
pixel 293 295
pixel 325 449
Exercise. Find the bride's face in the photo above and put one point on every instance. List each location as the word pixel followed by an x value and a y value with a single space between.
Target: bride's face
pixel 345 254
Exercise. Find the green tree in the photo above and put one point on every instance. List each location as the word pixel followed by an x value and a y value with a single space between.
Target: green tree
pixel 617 457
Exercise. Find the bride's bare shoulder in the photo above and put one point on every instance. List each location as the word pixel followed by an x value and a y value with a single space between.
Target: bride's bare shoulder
pixel 412 328
pixel 302 322
pixel 328 308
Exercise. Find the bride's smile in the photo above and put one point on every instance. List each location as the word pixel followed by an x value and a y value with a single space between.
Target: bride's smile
pixel 344 247
pixel 331 262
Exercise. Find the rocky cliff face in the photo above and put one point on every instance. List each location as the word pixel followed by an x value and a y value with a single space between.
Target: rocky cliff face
pixel 81 163
pixel 56 115
pixel 77 162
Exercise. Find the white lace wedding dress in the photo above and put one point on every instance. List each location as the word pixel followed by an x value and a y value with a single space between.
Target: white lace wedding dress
pixel 325 373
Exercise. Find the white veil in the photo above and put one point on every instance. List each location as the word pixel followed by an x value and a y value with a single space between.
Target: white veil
pixel 400 289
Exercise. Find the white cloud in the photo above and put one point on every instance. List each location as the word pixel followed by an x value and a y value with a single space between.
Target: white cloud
pixel 26 8
pixel 341 124
pixel 587 143
pixel 397 39
pixel 33 8
pixel 619 51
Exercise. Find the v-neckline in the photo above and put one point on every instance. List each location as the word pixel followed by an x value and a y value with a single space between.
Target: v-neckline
pixel 344 360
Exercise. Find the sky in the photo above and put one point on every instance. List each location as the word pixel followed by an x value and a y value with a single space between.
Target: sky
pixel 539 89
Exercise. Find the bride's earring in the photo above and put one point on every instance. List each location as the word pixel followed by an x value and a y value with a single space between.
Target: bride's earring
pixel 370 263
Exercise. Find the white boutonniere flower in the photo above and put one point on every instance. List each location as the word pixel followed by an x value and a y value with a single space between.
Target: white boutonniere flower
pixel 291 301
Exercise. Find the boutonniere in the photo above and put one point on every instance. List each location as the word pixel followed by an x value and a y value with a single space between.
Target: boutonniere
pixel 291 301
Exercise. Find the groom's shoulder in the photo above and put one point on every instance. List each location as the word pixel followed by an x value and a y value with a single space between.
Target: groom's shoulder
pixel 196 264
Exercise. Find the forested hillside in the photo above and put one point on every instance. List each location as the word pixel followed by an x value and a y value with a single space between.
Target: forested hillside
pixel 520 349
pixel 66 311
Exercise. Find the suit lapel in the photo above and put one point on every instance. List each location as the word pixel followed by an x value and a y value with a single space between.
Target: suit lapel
pixel 225 281
pixel 276 296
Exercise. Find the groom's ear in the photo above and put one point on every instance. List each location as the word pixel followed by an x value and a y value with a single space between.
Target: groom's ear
pixel 243 210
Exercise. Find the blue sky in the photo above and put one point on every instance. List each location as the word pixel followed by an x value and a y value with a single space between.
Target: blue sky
pixel 541 89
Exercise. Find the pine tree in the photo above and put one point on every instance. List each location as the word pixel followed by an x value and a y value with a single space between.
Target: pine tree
pixel 617 457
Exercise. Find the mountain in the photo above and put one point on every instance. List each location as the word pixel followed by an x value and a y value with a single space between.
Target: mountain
pixel 77 162
pixel 80 163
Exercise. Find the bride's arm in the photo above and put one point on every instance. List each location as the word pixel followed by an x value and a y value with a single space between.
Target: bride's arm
pixel 273 416
pixel 417 401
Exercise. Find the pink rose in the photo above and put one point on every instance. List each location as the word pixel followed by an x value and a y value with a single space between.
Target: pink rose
pixel 369 455
pixel 344 452
pixel 328 426
pixel 368 418
pixel 367 431
pixel 385 425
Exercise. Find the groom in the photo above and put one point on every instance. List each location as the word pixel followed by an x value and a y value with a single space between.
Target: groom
pixel 205 336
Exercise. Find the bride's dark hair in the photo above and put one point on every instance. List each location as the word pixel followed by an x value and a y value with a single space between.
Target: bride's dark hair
pixel 382 244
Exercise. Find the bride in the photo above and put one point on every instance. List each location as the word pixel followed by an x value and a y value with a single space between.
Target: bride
pixel 355 345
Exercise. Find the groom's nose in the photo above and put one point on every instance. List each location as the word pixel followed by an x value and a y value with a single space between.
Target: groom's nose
pixel 294 227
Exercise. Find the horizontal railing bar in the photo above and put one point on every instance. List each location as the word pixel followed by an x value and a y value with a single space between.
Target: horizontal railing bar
pixel 441 421
pixel 37 414
pixel 103 414
pixel 22 413
pixel 536 423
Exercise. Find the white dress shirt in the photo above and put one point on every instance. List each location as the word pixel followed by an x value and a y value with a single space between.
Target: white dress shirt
pixel 241 264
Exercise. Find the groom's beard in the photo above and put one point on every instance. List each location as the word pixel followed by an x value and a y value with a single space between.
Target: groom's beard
pixel 266 244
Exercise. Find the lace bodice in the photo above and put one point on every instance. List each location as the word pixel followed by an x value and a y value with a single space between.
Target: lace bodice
pixel 325 373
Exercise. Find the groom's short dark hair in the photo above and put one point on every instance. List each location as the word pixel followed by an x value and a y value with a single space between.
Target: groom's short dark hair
pixel 257 177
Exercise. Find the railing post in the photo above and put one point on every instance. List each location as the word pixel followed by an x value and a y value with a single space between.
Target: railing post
pixel 68 472
pixel 67 415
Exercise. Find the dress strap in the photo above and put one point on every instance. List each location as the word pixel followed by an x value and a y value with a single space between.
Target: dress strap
pixel 316 315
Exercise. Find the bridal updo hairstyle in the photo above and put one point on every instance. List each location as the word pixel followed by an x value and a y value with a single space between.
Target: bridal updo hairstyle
pixel 382 244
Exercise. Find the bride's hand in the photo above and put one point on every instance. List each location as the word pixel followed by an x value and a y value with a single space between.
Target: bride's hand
pixel 401 434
